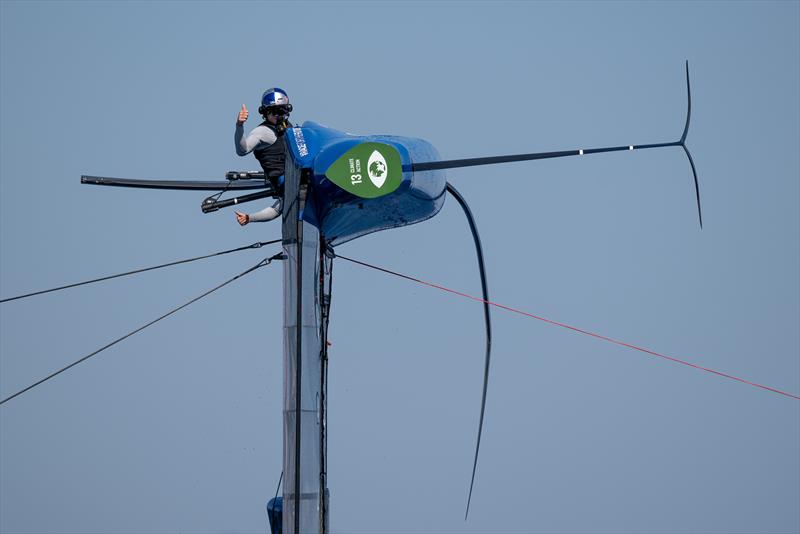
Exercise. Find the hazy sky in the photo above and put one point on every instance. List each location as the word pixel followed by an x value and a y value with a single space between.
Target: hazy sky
pixel 178 429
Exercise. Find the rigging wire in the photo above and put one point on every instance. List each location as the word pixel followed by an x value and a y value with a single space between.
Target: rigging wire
pixel 573 328
pixel 215 197
pixel 258 244
pixel 262 263
pixel 279 485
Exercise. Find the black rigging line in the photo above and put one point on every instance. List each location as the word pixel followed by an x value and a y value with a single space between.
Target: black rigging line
pixel 214 198
pixel 488 320
pixel 262 263
pixel 258 244
pixel 279 485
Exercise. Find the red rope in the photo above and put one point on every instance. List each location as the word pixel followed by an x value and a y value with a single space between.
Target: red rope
pixel 573 328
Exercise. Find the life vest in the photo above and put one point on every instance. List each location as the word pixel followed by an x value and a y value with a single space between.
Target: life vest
pixel 273 157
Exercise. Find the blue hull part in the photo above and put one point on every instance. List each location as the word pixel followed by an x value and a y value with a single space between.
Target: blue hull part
pixel 275 515
pixel 342 216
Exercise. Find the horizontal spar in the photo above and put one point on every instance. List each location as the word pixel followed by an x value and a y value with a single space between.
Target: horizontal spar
pixel 212 204
pixel 492 160
pixel 196 185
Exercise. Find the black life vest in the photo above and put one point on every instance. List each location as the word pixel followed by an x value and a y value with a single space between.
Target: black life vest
pixel 273 157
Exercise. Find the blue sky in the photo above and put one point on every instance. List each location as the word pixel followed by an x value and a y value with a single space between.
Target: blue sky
pixel 178 429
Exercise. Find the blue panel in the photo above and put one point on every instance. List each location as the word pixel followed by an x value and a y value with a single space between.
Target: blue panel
pixel 341 216
pixel 275 514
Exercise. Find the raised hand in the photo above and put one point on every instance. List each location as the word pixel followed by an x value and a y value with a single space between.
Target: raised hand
pixel 243 114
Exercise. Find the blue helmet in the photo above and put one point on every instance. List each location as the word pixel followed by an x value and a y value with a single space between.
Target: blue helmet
pixel 277 99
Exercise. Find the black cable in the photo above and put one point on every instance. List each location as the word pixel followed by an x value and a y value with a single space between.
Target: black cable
pixel 279 485
pixel 254 245
pixel 262 263
pixel 216 197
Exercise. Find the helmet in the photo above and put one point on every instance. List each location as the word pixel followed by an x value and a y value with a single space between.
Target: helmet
pixel 277 99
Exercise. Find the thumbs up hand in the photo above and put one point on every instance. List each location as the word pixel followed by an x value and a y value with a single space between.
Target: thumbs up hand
pixel 243 114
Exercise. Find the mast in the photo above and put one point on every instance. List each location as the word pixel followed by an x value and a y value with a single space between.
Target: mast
pixel 305 272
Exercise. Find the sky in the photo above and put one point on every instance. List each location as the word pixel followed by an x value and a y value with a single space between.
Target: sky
pixel 178 428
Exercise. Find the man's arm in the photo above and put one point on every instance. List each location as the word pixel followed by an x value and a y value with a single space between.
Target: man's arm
pixel 260 134
pixel 267 214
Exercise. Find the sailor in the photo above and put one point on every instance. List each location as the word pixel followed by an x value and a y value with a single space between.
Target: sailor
pixel 268 145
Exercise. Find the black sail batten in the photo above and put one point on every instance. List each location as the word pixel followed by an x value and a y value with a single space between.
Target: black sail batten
pixel 488 321
pixel 191 185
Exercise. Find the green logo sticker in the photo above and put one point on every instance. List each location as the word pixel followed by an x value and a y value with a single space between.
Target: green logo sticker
pixel 368 170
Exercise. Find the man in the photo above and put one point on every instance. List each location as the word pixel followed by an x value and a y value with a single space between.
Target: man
pixel 268 145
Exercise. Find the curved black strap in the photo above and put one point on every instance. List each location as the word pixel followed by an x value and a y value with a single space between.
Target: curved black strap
pixel 488 319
